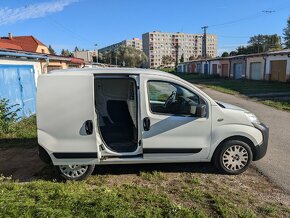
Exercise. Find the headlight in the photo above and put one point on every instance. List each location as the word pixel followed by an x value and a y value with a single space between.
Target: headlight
pixel 252 118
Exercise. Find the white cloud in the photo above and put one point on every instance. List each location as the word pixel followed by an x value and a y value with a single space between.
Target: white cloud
pixel 13 15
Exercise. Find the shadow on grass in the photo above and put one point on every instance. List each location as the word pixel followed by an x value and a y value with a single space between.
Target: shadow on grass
pixel 49 173
pixel 161 167
pixel 18 142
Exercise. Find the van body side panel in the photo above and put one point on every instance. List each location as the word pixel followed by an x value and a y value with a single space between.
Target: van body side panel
pixel 64 104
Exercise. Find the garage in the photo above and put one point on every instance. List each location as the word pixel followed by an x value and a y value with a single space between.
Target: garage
pixel 214 69
pixel 17 83
pixel 238 70
pixel 225 70
pixel 256 71
pixel 191 67
pixel 278 70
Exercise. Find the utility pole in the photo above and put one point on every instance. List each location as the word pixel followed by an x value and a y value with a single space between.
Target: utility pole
pixel 204 48
pixel 97 52
pixel 176 54
pixel 204 42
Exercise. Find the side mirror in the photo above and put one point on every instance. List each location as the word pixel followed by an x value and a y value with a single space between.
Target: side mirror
pixel 200 110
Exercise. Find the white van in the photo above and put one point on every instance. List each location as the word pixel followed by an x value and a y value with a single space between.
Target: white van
pixel 88 117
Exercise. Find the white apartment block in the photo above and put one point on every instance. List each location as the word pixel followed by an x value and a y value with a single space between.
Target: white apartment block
pixel 88 56
pixel 158 44
pixel 135 43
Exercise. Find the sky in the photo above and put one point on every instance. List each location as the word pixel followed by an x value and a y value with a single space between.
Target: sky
pixel 84 23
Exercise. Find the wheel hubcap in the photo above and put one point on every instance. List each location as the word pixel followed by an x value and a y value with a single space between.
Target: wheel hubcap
pixel 235 158
pixel 73 171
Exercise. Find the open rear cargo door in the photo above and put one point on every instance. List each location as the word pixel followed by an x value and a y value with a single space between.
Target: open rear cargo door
pixel 66 118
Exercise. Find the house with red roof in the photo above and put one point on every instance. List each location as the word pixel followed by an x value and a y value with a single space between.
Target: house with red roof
pixel 23 43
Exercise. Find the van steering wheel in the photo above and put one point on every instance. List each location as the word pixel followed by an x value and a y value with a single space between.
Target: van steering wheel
pixel 170 99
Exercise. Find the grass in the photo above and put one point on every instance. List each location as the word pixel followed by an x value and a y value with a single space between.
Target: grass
pixel 244 87
pixel 24 134
pixel 281 105
pixel 168 70
pixel 152 176
pixel 135 196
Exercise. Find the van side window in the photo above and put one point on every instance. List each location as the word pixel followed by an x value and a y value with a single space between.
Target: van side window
pixel 170 98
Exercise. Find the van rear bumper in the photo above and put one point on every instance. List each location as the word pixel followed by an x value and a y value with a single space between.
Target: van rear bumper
pixel 261 149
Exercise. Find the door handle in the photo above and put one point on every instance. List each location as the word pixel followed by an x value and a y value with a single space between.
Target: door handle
pixel 89 127
pixel 146 124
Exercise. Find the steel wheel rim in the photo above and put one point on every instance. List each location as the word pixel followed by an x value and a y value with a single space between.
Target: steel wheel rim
pixel 73 171
pixel 235 158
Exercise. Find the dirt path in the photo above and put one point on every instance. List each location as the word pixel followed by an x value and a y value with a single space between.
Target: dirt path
pixel 275 164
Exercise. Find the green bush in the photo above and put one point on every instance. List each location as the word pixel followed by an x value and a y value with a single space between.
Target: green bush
pixel 8 116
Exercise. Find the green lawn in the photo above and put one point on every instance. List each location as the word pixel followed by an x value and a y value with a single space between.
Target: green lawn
pixel 24 134
pixel 244 87
pixel 148 194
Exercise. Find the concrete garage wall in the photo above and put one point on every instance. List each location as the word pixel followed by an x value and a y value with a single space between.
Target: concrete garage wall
pixel 277 58
pixel 250 62
pixel 36 65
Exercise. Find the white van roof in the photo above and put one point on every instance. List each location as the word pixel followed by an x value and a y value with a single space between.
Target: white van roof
pixel 89 71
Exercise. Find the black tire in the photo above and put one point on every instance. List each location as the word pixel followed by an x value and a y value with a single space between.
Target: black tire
pixel 89 170
pixel 233 157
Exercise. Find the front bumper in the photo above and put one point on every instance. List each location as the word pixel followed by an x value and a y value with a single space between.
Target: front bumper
pixel 261 150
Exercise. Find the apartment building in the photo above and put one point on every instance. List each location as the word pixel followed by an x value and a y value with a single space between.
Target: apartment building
pixel 135 43
pixel 88 56
pixel 158 44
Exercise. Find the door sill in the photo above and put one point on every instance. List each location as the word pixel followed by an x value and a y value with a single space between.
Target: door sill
pixel 123 157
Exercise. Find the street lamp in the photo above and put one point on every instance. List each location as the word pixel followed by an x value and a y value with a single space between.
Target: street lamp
pixel 97 52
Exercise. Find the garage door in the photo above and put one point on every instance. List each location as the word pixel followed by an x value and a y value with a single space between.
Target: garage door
pixel 17 84
pixel 198 68
pixel 278 70
pixel 214 69
pixel 205 68
pixel 255 71
pixel 225 70
pixel 238 71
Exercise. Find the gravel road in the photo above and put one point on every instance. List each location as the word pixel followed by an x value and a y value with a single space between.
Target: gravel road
pixel 276 164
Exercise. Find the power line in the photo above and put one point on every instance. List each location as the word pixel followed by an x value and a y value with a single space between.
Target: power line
pixel 251 17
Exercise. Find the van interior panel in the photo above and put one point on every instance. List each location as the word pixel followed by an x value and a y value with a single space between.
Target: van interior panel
pixel 116 108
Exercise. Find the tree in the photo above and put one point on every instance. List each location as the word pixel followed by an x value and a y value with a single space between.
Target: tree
pixel 233 53
pixel 167 60
pixel 124 55
pixel 286 34
pixel 66 52
pixel 263 43
pixel 182 58
pixel 51 50
pixel 259 43
pixel 76 49
pixel 191 58
pixel 225 54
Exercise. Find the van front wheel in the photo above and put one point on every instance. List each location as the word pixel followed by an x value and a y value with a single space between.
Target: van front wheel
pixel 75 172
pixel 234 157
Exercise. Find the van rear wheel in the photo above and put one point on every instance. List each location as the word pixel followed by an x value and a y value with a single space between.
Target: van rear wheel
pixel 234 157
pixel 75 172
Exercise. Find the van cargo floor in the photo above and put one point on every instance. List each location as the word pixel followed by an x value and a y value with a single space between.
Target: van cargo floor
pixel 123 147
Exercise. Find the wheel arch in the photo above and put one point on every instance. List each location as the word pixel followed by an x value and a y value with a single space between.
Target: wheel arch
pixel 43 155
pixel 236 137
